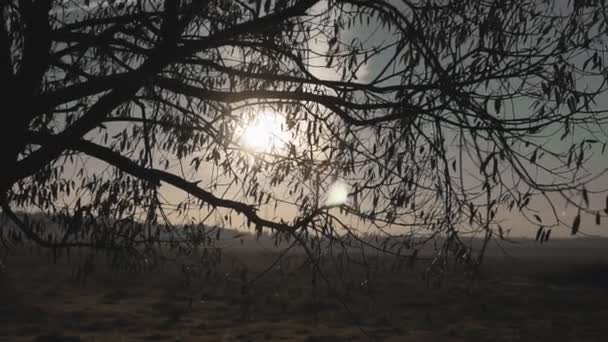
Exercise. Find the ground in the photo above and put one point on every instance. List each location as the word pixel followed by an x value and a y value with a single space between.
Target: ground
pixel 513 300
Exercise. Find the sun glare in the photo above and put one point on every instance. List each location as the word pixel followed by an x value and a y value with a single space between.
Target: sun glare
pixel 337 194
pixel 265 133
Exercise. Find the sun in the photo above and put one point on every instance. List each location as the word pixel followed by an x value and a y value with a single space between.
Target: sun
pixel 265 133
pixel 337 194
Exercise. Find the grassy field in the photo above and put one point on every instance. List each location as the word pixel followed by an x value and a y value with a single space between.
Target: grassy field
pixel 525 299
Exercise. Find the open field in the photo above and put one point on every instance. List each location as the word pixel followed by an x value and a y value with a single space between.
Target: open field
pixel 557 298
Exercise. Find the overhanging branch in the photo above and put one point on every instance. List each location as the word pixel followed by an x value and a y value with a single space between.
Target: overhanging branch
pixel 339 106
pixel 156 176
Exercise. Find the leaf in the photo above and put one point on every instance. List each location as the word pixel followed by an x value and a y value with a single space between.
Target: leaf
pixel 538 233
pixel 586 63
pixel 576 224
pixel 547 235
pixel 525 202
pixel 581 157
pixel 585 196
pixel 485 163
pixel 497 105
pixel 542 237
pixel 538 218
pixel 533 158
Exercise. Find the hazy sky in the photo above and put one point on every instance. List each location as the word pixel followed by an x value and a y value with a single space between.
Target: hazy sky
pixel 374 34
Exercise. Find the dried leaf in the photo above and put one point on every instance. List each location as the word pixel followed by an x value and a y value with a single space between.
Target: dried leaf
pixel 542 237
pixel 585 197
pixel 576 224
pixel 538 233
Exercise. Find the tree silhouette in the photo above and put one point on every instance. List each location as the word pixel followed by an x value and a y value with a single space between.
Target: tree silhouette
pixel 438 116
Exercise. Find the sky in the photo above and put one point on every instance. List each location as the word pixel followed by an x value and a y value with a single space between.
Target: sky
pixel 333 190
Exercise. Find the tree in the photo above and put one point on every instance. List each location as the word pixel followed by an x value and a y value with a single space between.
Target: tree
pixel 440 116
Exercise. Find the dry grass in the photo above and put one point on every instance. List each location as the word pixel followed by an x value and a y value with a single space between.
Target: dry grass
pixel 521 301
